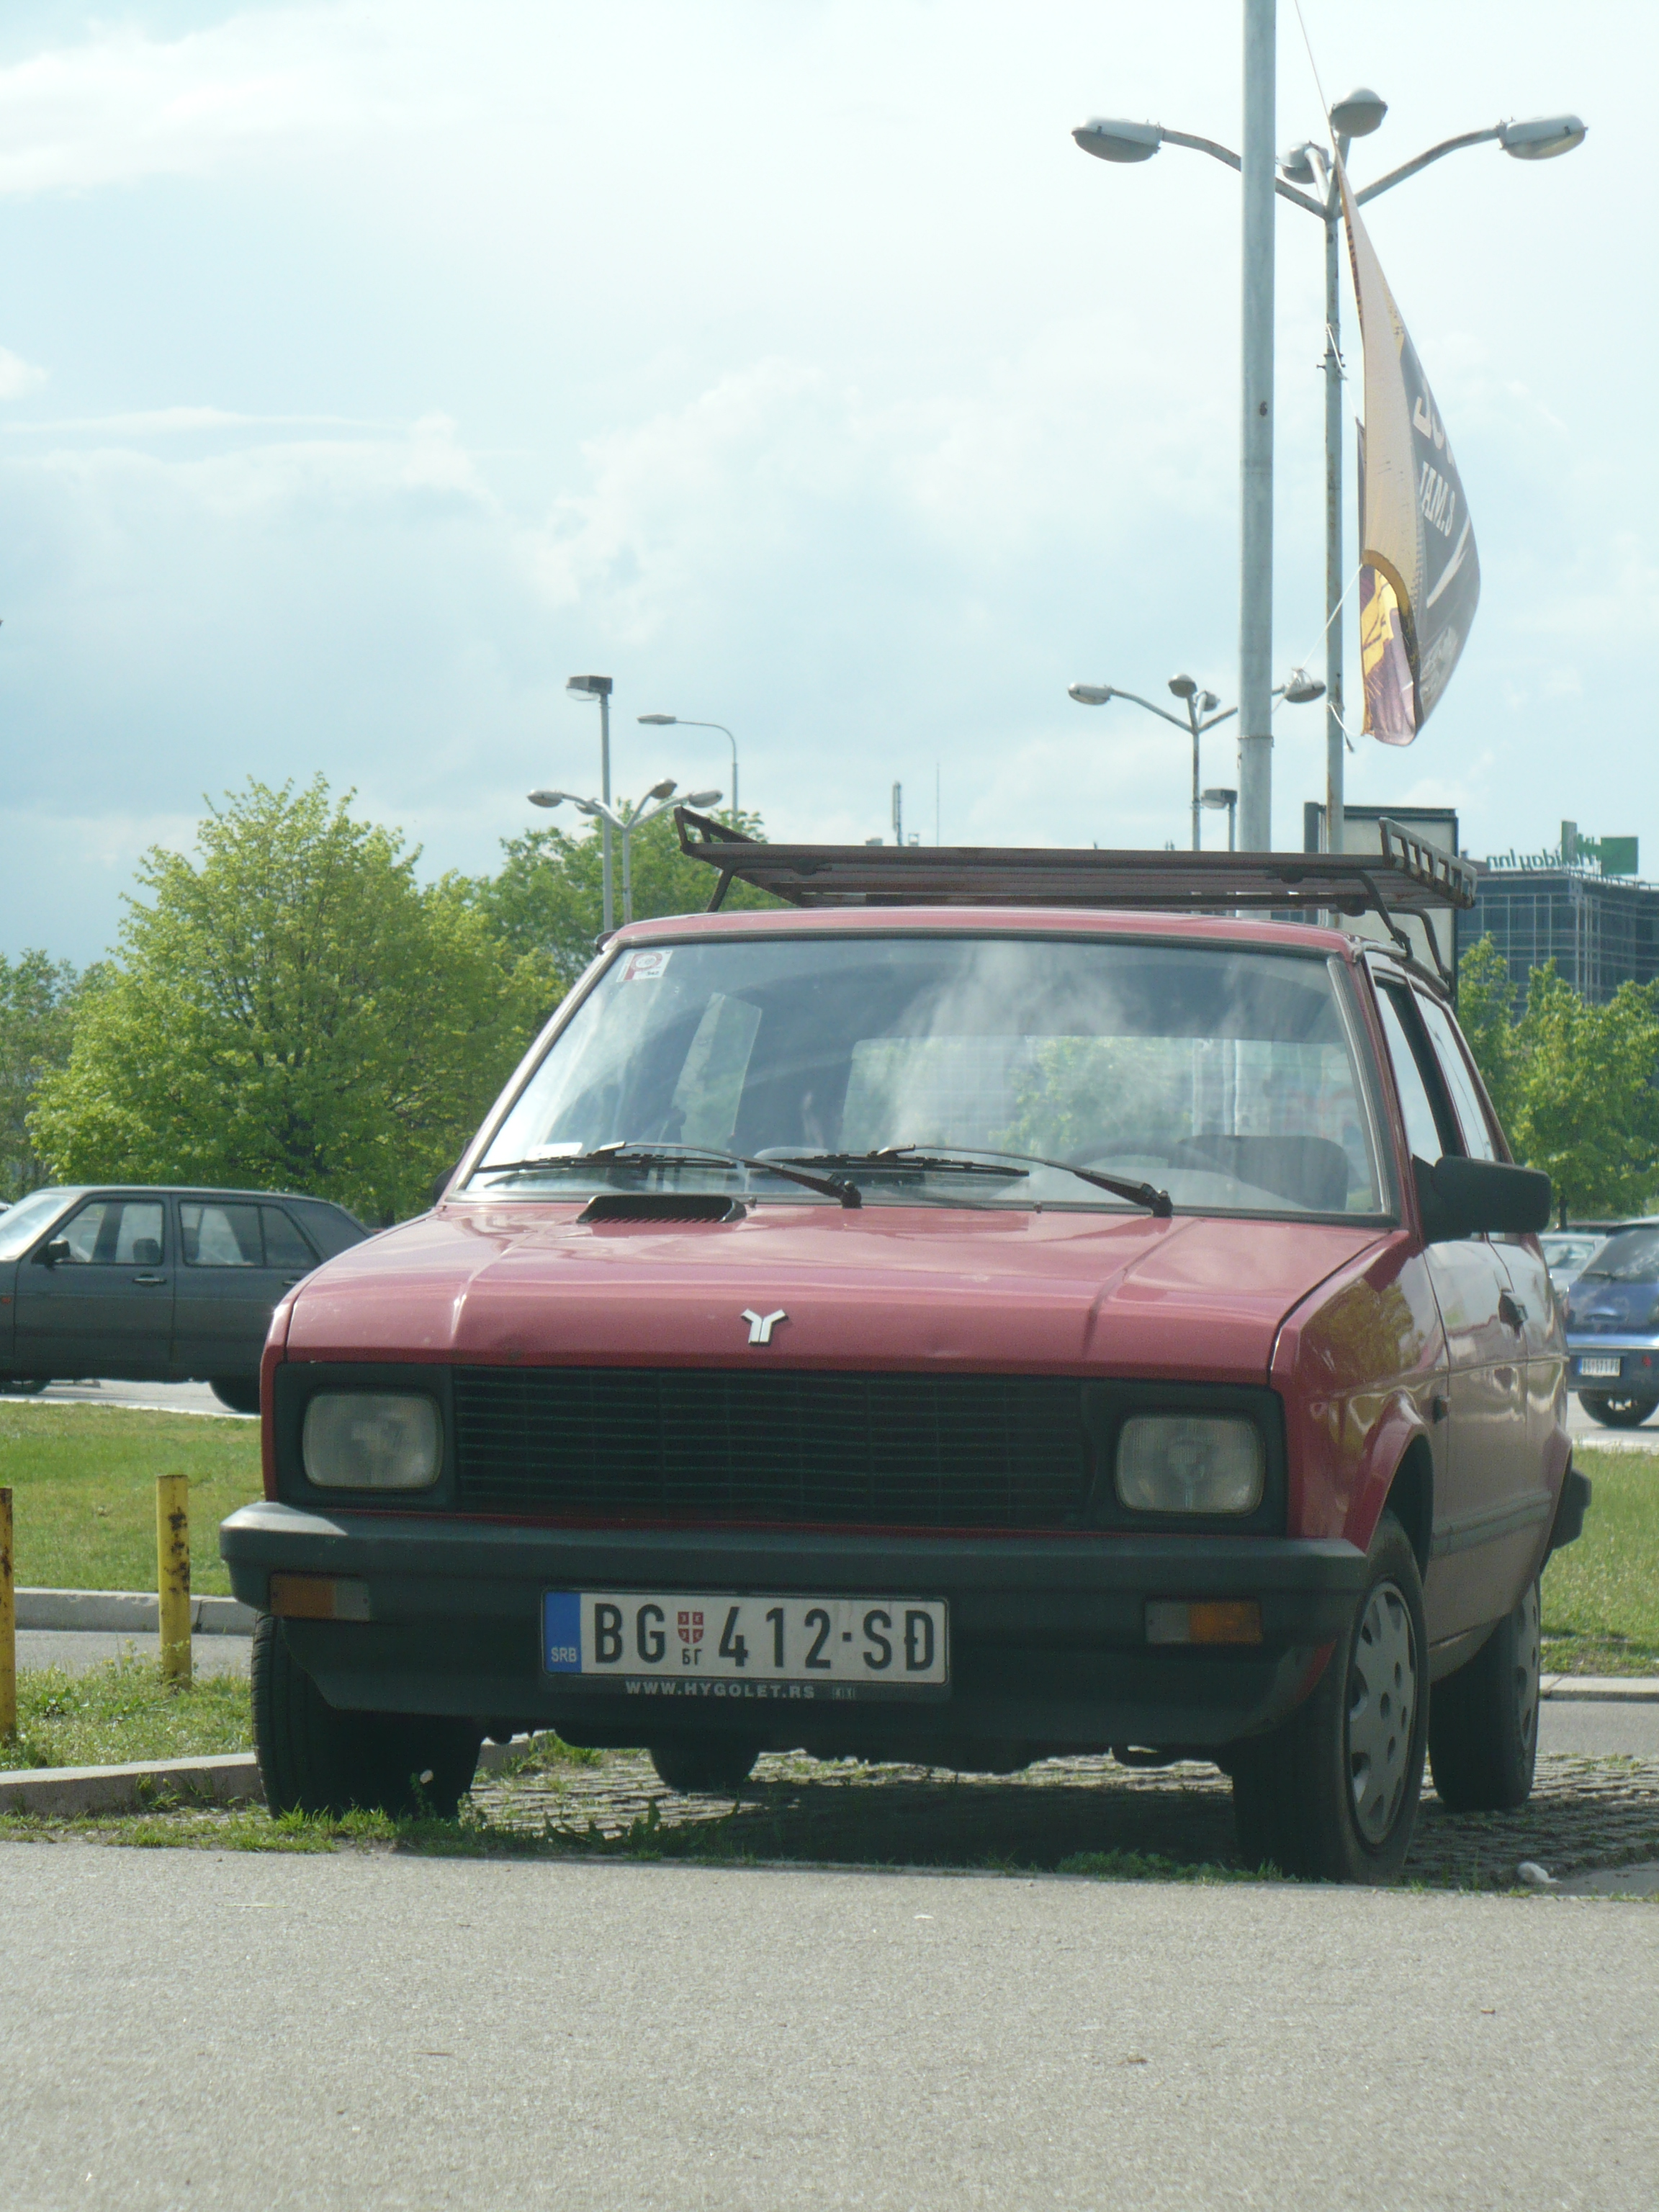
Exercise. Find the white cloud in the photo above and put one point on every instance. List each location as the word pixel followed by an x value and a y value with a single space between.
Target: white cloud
pixel 18 376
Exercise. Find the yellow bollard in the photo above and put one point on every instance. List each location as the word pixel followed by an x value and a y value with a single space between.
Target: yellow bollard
pixel 173 1573
pixel 8 1625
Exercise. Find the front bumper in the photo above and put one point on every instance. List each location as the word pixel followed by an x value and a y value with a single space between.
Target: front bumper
pixel 1047 1633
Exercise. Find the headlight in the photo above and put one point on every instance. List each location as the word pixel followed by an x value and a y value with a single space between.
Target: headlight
pixel 372 1440
pixel 1190 1463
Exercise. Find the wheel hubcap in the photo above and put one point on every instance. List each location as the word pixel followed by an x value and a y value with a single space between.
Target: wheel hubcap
pixel 1381 1711
pixel 1528 1660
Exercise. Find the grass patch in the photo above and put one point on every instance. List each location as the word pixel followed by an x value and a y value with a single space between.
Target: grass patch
pixel 83 1483
pixel 1601 1593
pixel 122 1711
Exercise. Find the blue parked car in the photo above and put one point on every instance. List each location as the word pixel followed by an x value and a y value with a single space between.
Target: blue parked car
pixel 1613 1329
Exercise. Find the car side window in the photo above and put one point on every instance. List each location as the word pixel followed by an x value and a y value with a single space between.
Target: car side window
pixel 284 1245
pixel 219 1236
pixel 1428 1128
pixel 114 1232
pixel 1471 1120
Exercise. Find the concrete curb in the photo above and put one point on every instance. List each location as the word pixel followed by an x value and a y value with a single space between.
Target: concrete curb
pixel 1602 1689
pixel 130 1612
pixel 232 1779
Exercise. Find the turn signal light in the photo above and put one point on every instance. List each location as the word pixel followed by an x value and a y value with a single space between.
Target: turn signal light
pixel 1204 1621
pixel 317 1597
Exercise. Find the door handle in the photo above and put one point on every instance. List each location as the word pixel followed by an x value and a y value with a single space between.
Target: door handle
pixel 147 1279
pixel 288 1281
pixel 1510 1311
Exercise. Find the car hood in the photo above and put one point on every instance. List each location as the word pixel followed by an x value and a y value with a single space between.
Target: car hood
pixel 892 1287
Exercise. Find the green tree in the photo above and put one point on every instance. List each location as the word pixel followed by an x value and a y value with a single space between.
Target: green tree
pixel 37 1018
pixel 1574 1084
pixel 548 901
pixel 291 1010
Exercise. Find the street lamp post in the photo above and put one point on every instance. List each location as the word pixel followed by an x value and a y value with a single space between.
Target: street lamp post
pixel 1540 139
pixel 678 721
pixel 599 687
pixel 1219 796
pixel 1201 716
pixel 625 820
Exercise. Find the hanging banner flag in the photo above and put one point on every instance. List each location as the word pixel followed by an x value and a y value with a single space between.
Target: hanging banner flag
pixel 1420 578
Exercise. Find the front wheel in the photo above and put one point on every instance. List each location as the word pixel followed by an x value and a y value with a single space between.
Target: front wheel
pixel 317 1758
pixel 1616 1409
pixel 1483 1720
pixel 1332 1792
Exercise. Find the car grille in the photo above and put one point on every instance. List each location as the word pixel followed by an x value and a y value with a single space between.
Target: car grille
pixel 921 1451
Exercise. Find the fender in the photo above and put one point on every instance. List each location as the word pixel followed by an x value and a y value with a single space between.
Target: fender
pixel 270 1360
pixel 1362 1366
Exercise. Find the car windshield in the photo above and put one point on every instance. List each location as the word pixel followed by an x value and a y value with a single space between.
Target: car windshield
pixel 23 1223
pixel 1632 1256
pixel 1225 1077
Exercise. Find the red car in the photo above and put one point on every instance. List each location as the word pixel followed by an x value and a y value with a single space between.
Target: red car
pixel 958 1318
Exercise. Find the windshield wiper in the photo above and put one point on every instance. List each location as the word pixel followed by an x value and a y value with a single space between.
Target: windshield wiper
pixel 1156 1201
pixel 672 1155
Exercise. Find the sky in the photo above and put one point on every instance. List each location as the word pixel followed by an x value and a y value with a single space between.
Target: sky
pixel 367 369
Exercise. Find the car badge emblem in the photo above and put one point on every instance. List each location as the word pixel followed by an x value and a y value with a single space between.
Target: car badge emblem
pixel 761 1325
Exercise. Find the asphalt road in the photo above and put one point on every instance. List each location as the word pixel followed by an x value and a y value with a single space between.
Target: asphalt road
pixel 356 2031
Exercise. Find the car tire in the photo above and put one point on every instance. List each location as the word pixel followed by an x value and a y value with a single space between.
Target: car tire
pixel 1332 1793
pixel 1614 1410
pixel 1483 1720
pixel 316 1758
pixel 704 1766
pixel 239 1392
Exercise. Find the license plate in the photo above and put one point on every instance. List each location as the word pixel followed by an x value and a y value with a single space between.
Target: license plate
pixel 727 1643
pixel 1599 1367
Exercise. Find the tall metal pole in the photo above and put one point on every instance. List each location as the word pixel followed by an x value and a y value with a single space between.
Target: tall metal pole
pixel 1256 613
pixel 1335 840
pixel 1192 716
pixel 604 793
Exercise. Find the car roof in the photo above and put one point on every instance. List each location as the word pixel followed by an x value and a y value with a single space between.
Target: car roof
pixel 186 1190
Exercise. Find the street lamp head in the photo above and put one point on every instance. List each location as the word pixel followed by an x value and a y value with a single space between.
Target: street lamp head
pixel 1297 166
pixel 589 687
pixel 1359 114
pixel 700 799
pixel 1183 686
pixel 664 790
pixel 1109 140
pixel 1089 695
pixel 547 798
pixel 659 721
pixel 1219 796
pixel 1207 702
pixel 1541 138
pixel 1301 689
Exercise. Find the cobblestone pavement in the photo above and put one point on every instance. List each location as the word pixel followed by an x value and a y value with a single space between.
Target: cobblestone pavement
pixel 1584 1813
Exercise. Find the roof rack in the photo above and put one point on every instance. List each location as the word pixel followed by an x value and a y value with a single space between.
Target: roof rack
pixel 1408 876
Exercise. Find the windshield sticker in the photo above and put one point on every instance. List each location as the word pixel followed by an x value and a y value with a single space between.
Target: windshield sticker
pixel 644 966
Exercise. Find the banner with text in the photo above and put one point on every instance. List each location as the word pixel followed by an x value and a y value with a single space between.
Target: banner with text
pixel 1420 578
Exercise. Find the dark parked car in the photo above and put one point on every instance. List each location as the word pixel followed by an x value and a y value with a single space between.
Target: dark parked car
pixel 1613 1329
pixel 146 1283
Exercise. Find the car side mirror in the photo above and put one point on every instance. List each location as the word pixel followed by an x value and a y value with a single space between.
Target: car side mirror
pixel 1458 1197
pixel 52 1254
